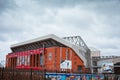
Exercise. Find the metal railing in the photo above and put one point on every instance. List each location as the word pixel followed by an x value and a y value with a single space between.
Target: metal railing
pixel 22 74
pixel 15 74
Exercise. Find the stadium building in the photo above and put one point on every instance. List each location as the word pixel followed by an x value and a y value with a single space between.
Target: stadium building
pixel 51 53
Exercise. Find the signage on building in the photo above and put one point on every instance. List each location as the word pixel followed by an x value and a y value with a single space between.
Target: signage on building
pixel 66 64
pixel 106 66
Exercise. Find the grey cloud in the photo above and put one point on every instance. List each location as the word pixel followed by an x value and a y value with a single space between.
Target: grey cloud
pixel 2 38
pixel 112 26
pixel 108 46
pixel 78 23
pixel 58 3
pixel 9 33
pixel 40 17
pixel 10 25
pixel 6 4
pixel 114 23
pixel 9 29
pixel 109 8
pixel 107 13
pixel 90 4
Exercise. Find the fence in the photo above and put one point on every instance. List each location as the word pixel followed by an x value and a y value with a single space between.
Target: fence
pixel 111 76
pixel 15 74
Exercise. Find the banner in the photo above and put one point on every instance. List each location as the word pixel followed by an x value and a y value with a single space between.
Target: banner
pixel 106 66
pixel 66 64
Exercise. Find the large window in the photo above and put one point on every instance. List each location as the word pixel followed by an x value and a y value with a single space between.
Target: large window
pixel 18 61
pixel 41 59
pixel 28 60
pixel 22 60
pixel 50 56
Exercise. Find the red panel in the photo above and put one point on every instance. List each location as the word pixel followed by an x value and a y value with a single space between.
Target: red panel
pixel 25 53
pixel 20 53
pixel 34 51
pixel 37 51
pixel 41 50
pixel 28 52
pixel 12 55
pixel 31 52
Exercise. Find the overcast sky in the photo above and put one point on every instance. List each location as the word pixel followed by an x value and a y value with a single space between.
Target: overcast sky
pixel 96 21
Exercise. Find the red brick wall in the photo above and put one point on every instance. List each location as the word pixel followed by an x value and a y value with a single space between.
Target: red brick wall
pixel 54 63
pixel 52 59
